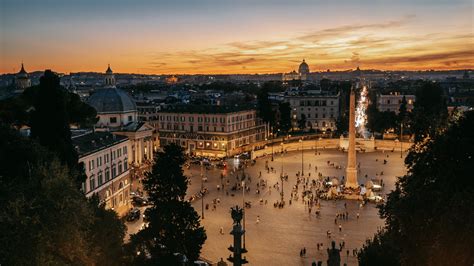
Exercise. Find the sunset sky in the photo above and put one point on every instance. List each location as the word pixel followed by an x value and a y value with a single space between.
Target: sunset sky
pixel 231 36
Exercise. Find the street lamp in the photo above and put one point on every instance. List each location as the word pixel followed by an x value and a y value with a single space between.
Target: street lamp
pixel 243 207
pixel 316 145
pixel 302 158
pixel 202 190
pixel 271 136
pixel 281 178
pixel 401 144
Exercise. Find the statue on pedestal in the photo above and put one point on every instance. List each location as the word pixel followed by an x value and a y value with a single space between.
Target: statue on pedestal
pixel 334 256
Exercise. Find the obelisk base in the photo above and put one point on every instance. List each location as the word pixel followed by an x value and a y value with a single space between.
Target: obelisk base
pixel 351 178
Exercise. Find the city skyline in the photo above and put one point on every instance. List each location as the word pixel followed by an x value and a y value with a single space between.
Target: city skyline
pixel 223 37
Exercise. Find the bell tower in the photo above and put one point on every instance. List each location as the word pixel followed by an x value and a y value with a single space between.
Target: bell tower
pixel 109 77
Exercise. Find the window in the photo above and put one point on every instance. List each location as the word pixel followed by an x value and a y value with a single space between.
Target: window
pixel 119 167
pixel 114 172
pixel 107 174
pixel 92 183
pixel 125 150
pixel 199 128
pixel 113 120
pixel 129 118
pixel 125 164
pixel 99 178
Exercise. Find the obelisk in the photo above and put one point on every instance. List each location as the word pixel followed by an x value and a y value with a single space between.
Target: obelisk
pixel 351 170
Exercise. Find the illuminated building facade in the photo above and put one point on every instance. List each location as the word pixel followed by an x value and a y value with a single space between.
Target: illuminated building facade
pixel 213 131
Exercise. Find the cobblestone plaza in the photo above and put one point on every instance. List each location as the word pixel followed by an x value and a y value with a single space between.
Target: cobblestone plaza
pixel 280 233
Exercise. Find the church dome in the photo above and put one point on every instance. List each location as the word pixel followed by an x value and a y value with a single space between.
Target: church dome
pixel 112 100
pixel 304 68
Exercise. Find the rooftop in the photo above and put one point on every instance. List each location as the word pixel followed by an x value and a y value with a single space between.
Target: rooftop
pixel 91 142
pixel 206 109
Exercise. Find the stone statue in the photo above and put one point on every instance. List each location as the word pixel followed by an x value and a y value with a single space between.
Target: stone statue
pixel 334 256
pixel 236 213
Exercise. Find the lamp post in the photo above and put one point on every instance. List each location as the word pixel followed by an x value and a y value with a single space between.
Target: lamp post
pixel 243 207
pixel 271 136
pixel 316 145
pixel 202 191
pixel 302 158
pixel 401 144
pixel 281 178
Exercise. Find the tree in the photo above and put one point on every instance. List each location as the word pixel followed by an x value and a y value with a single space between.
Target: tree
pixel 273 86
pixel 265 106
pixel 45 219
pixel 430 112
pixel 302 122
pixel 107 232
pixel 55 109
pixel 174 225
pixel 342 123
pixel 402 114
pixel 430 214
pixel 50 119
pixel 380 121
pixel 285 117
pixel 381 250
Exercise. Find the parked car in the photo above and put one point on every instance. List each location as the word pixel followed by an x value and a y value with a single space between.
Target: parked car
pixel 133 215
pixel 139 200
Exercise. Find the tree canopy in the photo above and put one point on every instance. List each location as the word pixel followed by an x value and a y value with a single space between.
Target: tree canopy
pixel 45 219
pixel 430 112
pixel 265 106
pixel 174 225
pixel 285 117
pixel 430 214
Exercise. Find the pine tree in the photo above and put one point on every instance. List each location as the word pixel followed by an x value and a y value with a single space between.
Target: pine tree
pixel 174 225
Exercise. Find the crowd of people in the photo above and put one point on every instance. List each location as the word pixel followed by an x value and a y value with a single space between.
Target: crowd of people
pixel 306 190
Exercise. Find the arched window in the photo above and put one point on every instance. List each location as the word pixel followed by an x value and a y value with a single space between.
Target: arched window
pixel 92 183
pixel 107 174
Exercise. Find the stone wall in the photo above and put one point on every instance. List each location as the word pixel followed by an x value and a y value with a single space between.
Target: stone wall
pixel 335 143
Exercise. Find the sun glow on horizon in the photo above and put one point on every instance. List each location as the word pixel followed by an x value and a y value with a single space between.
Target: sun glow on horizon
pixel 224 38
